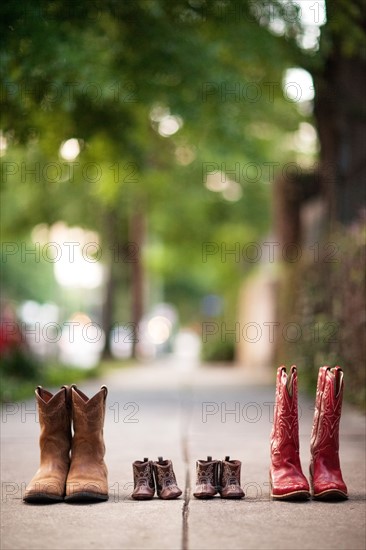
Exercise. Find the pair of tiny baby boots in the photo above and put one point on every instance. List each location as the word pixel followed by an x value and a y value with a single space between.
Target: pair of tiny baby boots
pixel 218 476
pixel 148 475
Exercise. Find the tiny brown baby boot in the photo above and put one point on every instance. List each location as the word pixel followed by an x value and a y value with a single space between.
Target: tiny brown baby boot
pixel 230 479
pixel 87 478
pixel 166 483
pixel 143 480
pixel 207 472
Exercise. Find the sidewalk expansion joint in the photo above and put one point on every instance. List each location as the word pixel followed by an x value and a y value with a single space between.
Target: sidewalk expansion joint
pixel 186 416
pixel 185 512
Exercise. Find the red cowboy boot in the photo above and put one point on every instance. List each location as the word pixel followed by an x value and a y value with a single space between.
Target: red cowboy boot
pixel 325 471
pixel 286 477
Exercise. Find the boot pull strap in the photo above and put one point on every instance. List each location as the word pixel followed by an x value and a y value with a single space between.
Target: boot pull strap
pixel 338 377
pixel 105 391
pixel 209 459
pixel 160 459
pixel 283 377
pixel 43 394
pixel 68 398
pixel 38 391
pixel 323 377
pixel 291 377
pixel 227 458
pixel 289 384
pixel 145 459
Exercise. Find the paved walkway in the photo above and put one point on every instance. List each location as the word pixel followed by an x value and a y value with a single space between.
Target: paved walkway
pixel 183 415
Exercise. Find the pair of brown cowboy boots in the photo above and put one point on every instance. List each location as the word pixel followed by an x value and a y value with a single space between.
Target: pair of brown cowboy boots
pixel 286 477
pixel 148 474
pixel 218 476
pixel 72 467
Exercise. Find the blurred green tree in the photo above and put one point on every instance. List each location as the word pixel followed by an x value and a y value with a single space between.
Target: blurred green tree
pixel 111 74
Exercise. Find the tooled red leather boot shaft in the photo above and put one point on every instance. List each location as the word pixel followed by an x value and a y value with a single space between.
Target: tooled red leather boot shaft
pixel 325 471
pixel 286 476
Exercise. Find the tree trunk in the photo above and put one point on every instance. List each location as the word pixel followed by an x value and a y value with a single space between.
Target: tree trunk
pixel 137 238
pixel 340 111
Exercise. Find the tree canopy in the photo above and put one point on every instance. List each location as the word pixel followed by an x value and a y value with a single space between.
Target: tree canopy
pixel 159 94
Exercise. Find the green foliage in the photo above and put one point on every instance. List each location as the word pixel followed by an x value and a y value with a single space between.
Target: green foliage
pixel 218 350
pixel 19 373
pixel 94 71
pixel 15 388
pixel 37 283
pixel 56 375
pixel 345 31
pixel 19 365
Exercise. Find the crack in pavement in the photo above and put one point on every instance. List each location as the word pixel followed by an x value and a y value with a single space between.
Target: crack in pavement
pixel 186 413
pixel 187 492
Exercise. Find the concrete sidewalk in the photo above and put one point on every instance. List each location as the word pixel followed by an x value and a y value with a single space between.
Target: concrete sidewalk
pixel 183 415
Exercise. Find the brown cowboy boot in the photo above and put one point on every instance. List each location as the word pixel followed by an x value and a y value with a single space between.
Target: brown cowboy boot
pixel 143 479
pixel 87 479
pixel 286 477
pixel 166 483
pixel 325 470
pixel 48 484
pixel 207 472
pixel 230 479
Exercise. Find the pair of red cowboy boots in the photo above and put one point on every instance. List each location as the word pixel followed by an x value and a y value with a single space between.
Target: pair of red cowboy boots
pixel 286 476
